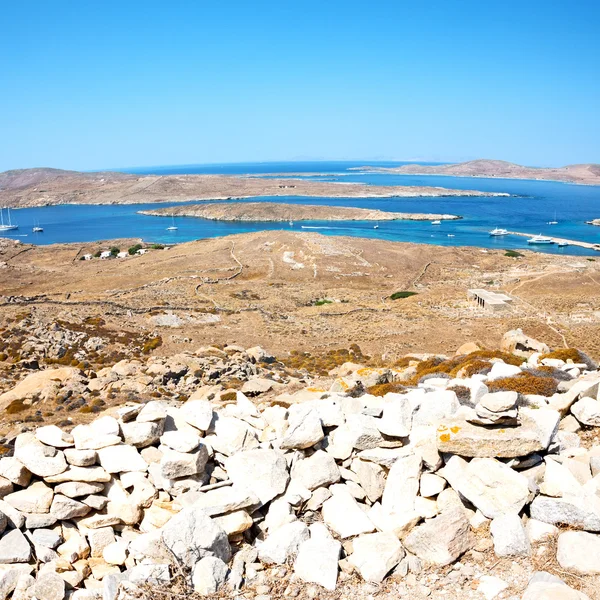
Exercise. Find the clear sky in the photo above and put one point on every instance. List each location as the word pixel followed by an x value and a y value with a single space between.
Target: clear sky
pixel 98 84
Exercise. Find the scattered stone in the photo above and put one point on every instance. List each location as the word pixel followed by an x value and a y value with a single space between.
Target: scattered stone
pixel 375 555
pixel 441 540
pixel 14 548
pixel 208 575
pixel 579 552
pixel 317 560
pixel 509 536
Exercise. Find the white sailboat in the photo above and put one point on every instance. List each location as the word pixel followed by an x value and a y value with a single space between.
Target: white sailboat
pixel 37 228
pixel 173 226
pixel 437 222
pixel 9 226
pixel 555 222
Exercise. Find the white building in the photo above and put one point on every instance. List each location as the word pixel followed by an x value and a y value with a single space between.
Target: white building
pixel 122 255
pixel 105 254
pixel 87 257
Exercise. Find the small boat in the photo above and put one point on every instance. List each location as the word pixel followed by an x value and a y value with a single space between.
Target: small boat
pixel 498 231
pixel 437 222
pixel 10 226
pixel 376 227
pixel 555 222
pixel 540 239
pixel 173 227
pixel 37 229
pixel 450 235
pixel 291 223
pixel 562 243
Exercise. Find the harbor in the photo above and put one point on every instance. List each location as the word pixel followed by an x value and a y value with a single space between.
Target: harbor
pixel 559 240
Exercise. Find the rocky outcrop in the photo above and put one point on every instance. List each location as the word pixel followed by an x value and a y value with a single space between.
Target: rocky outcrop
pixel 321 484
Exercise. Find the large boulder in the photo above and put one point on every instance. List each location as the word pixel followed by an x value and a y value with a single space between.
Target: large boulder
pixel 581 512
pixel 516 342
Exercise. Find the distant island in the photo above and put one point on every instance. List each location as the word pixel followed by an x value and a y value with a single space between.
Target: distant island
pixel 588 174
pixel 268 211
pixel 44 187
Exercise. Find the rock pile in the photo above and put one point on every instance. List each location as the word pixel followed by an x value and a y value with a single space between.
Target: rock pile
pixel 327 483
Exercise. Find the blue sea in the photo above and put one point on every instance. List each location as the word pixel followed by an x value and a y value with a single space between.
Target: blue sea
pixel 529 208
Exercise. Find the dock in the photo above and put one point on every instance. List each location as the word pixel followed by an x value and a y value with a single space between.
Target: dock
pixel 587 245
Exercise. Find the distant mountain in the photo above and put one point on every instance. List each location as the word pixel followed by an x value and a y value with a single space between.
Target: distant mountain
pixel 584 173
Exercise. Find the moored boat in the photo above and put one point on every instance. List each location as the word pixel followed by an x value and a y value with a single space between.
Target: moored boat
pixel 540 239
pixel 498 231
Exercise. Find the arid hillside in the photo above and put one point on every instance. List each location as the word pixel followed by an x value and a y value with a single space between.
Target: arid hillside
pixel 41 187
pixel 587 173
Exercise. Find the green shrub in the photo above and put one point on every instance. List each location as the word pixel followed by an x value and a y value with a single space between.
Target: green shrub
pixel 134 249
pixel 97 254
pixel 513 254
pixel 157 246
pixel 398 295
pixel 114 251
pixel 322 302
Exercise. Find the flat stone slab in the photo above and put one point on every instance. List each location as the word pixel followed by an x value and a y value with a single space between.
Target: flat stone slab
pixel 466 439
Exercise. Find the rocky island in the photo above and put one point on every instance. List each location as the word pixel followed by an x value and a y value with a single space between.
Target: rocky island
pixel 588 174
pixel 267 211
pixel 42 187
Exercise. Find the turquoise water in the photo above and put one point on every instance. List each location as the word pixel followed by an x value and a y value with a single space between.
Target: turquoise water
pixel 531 205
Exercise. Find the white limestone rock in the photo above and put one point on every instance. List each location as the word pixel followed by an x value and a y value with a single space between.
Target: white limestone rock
pixel 316 471
pixel 396 419
pixel 304 430
pixel 441 540
pixel 579 552
pixel 40 459
pixel 343 514
pixel 51 435
pixel 80 458
pixel 510 538
pixel 493 487
pixel 14 471
pixel 402 485
pixel 582 511
pixel 264 472
pixel 192 535
pixel 142 434
pixel 231 435
pixel 100 433
pixel 75 489
pixel 174 465
pixel 49 586
pixel 64 508
pixel 181 441
pixel 283 543
pixel 371 477
pixel 208 575
pixel 14 548
pixel 538 531
pixel 36 498
pixel 198 413
pixel 375 555
pixel 317 559
pixel 587 411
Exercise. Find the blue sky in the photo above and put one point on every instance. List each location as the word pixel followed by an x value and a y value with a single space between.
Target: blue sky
pixel 91 85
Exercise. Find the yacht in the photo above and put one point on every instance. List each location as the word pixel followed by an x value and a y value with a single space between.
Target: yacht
pixel 37 228
pixel 376 227
pixel 437 222
pixel 540 239
pixel 10 226
pixel 555 222
pixel 173 226
pixel 498 231
pixel 562 243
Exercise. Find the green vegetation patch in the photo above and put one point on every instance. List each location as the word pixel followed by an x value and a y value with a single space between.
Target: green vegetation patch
pixel 513 254
pixel 399 295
